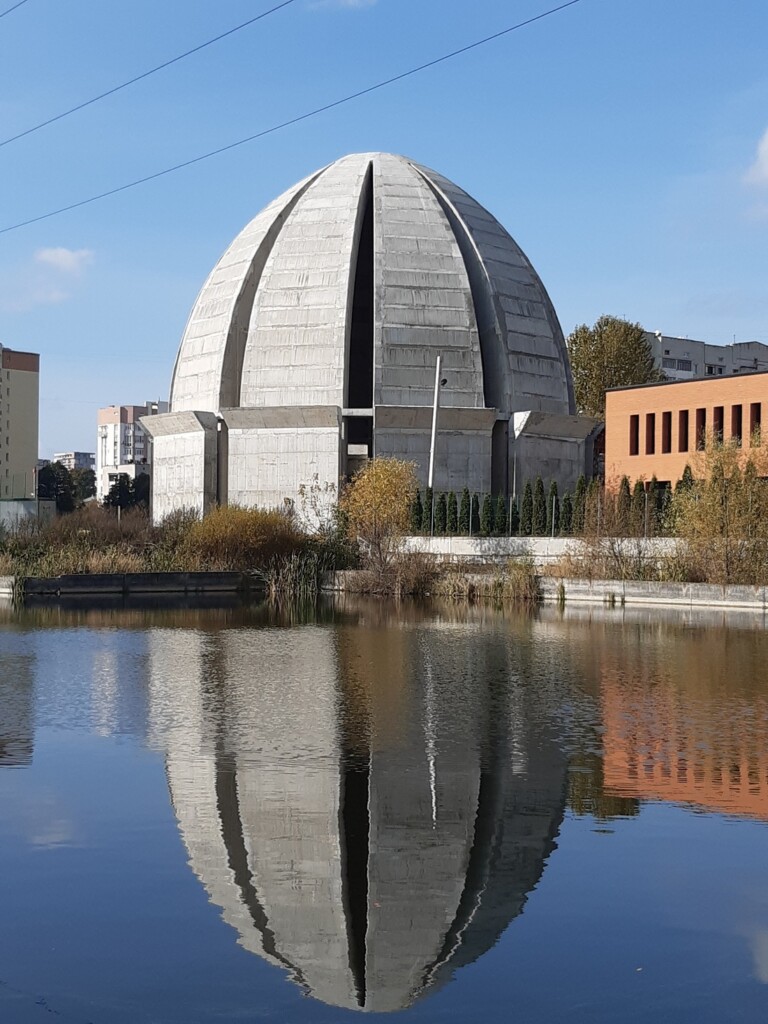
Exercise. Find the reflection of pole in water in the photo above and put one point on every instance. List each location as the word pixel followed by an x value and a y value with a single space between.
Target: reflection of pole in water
pixel 429 732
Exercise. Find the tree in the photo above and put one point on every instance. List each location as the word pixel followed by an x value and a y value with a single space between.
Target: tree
pixel 465 512
pixel 653 506
pixel 722 518
pixel 614 353
pixel 54 483
pixel 686 481
pixel 441 514
pixel 426 515
pixel 579 505
pixel 500 517
pixel 120 494
pixel 539 509
pixel 526 511
pixel 566 514
pixel 417 512
pixel 140 488
pixel 486 516
pixel 514 518
pixel 83 484
pixel 451 514
pixel 623 508
pixel 553 511
pixel 474 521
pixel 637 514
pixel 377 504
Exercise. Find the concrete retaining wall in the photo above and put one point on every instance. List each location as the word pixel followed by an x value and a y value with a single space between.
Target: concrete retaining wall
pixel 137 583
pixel 614 593
pixel 682 595
pixel 543 550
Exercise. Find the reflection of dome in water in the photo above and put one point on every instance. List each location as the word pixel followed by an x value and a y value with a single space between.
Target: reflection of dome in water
pixel 354 814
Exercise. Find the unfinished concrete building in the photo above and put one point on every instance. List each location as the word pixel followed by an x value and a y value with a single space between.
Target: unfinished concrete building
pixel 312 346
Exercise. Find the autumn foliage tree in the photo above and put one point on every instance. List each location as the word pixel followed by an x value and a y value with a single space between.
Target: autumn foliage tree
pixel 613 353
pixel 377 506
pixel 721 515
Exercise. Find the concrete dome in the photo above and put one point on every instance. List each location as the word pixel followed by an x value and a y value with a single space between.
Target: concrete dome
pixel 343 290
pixel 313 344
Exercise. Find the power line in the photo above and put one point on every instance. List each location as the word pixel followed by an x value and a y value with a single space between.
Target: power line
pixel 13 8
pixel 143 75
pixel 292 121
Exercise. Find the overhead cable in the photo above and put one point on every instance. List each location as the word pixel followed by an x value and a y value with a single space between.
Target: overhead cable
pixel 143 75
pixel 13 8
pixel 292 121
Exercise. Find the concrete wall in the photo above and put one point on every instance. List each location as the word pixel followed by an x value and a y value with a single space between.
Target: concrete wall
pixel 272 452
pixel 543 550
pixel 184 461
pixel 463 448
pixel 559 459
pixel 13 513
pixel 682 595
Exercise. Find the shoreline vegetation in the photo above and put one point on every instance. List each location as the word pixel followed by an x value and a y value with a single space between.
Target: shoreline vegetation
pixel 716 517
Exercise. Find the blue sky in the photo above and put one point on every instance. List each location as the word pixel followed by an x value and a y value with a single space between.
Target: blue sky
pixel 619 141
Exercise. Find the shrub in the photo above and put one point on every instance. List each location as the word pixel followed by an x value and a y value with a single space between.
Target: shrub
pixel 566 514
pixel 526 511
pixel 500 517
pixel 486 516
pixel 417 513
pixel 539 509
pixel 441 514
pixel 426 515
pixel 579 502
pixel 377 504
pixel 474 522
pixel 451 515
pixel 465 512
pixel 514 517
pixel 553 511
pixel 233 537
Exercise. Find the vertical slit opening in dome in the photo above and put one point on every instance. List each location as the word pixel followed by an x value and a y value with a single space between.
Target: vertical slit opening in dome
pixel 360 376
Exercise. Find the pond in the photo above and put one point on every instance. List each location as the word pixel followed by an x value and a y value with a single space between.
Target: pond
pixel 446 813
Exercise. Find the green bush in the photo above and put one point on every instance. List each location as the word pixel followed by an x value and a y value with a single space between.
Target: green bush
pixel 441 515
pixel 465 512
pixel 452 515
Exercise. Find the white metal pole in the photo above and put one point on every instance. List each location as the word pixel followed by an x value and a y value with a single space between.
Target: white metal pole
pixel 438 367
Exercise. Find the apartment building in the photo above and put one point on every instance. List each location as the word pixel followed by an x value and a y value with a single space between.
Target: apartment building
pixel 76 460
pixel 123 447
pixel 686 359
pixel 19 409
pixel 657 429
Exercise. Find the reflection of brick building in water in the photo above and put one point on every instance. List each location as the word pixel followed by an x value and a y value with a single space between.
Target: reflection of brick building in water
pixel 669 742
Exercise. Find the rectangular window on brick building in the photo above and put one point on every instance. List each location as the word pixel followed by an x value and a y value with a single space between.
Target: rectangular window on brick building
pixel 666 433
pixel 701 429
pixel 682 430
pixel 755 410
pixel 650 433
pixel 737 423
pixel 634 435
pixel 718 419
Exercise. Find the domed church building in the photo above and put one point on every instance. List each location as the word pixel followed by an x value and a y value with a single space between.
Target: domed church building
pixel 313 346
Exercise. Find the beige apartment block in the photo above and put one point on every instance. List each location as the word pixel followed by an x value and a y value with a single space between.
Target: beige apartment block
pixel 123 447
pixel 19 409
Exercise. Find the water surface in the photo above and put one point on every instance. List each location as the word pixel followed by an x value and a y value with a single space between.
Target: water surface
pixel 444 813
